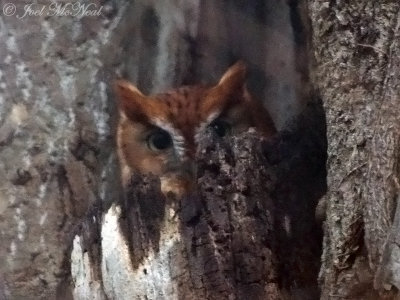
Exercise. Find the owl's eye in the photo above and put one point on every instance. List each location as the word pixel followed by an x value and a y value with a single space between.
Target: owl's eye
pixel 220 127
pixel 159 140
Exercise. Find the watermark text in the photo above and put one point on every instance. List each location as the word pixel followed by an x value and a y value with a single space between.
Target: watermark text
pixel 72 9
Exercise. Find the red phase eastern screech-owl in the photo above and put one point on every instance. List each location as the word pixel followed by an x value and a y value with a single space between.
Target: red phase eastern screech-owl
pixel 159 133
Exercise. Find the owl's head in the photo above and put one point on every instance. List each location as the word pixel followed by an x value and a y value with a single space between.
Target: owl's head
pixel 159 133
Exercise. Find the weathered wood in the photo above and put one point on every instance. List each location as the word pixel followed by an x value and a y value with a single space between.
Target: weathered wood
pixel 56 128
pixel 248 230
pixel 54 140
pixel 356 48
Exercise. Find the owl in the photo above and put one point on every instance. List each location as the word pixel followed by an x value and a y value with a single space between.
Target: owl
pixel 159 133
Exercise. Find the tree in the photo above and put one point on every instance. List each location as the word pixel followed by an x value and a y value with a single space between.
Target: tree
pixel 55 142
pixel 68 228
pixel 242 238
pixel 356 73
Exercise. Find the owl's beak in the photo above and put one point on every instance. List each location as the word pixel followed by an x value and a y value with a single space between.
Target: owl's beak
pixel 185 169
pixel 189 170
pixel 188 175
pixel 181 178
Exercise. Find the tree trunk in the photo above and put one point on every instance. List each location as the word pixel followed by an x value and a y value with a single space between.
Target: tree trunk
pixel 55 143
pixel 357 70
pixel 70 231
pixel 67 227
pixel 248 231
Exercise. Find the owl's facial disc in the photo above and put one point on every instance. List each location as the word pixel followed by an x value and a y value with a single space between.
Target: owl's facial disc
pixel 159 133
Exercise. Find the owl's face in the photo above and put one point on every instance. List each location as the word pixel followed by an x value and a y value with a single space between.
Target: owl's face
pixel 159 134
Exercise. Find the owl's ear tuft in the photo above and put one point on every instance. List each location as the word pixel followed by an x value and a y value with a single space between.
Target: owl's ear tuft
pixel 229 90
pixel 127 92
pixel 131 101
pixel 234 78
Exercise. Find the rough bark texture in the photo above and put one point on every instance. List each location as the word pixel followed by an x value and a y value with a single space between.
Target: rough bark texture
pixel 55 142
pixel 56 150
pixel 249 230
pixel 356 48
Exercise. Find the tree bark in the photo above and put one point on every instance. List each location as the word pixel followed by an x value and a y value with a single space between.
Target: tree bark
pixel 68 228
pixel 55 140
pixel 357 67
pixel 248 231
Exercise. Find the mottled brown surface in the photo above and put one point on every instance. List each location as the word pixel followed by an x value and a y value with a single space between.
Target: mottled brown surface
pixel 250 228
pixel 356 48
pixel 55 141
pixel 57 119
